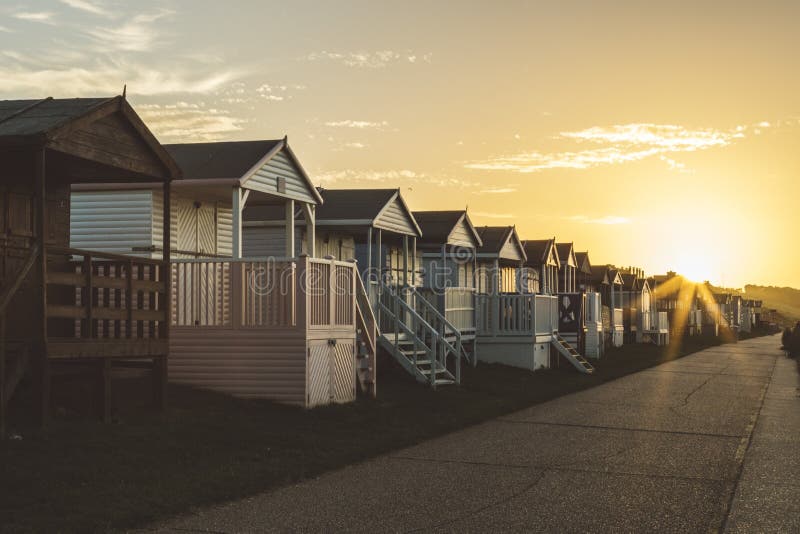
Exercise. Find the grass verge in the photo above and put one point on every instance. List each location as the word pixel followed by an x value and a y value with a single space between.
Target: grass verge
pixel 207 448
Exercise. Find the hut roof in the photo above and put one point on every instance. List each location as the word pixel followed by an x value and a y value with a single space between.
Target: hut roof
pixel 219 160
pixel 437 226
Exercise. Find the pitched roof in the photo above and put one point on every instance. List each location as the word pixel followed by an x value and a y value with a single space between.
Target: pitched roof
pixel 437 226
pixel 35 118
pixel 202 161
pixel 538 250
pixel 493 237
pixel 599 274
pixel 564 250
pixel 584 265
pixel 629 281
pixel 360 205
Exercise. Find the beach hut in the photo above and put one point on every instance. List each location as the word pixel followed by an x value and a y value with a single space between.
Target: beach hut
pixel 448 248
pixel 542 256
pixel 608 283
pixel 517 324
pixel 280 325
pixel 63 308
pixel 376 228
pixel 593 320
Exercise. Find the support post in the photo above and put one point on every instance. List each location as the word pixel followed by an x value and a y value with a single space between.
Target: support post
pixel 365 275
pixel 237 208
pixel 309 214
pixel 41 231
pixel 290 229
pixel 104 398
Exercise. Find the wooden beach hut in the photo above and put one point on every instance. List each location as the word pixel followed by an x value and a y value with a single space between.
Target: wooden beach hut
pixel 63 308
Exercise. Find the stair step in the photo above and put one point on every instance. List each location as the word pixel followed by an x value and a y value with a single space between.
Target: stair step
pixel 443 381
pixel 428 371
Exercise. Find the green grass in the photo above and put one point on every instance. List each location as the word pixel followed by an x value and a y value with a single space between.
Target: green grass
pixel 208 448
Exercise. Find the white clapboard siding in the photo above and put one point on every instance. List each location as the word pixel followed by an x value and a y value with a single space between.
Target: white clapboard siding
pixel 510 250
pixel 268 242
pixel 281 166
pixel 395 219
pixel 112 221
pixel 224 229
pixel 461 236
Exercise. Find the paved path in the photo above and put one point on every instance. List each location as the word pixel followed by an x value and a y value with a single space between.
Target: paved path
pixel 711 441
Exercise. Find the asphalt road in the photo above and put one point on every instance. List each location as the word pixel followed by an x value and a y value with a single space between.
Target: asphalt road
pixel 707 442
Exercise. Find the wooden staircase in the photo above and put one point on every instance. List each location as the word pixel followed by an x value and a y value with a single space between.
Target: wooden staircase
pixel 419 345
pixel 573 356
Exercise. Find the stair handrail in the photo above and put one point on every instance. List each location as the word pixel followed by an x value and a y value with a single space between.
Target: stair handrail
pixel 439 348
pixel 445 325
pixel 10 290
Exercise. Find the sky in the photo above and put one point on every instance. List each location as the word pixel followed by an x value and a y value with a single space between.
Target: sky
pixel 662 135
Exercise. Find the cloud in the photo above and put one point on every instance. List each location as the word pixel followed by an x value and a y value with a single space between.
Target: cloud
pixel 497 191
pixel 372 60
pixel 87 6
pixel 45 17
pixel 606 219
pixel 135 35
pixel 6 30
pixel 355 145
pixel 491 215
pixel 392 177
pixel 186 122
pixel 361 125
pixel 676 165
pixel 108 78
pixel 613 145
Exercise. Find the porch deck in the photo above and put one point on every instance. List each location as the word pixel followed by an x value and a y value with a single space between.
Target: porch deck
pixel 265 328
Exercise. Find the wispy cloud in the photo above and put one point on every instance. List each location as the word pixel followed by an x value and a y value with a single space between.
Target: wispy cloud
pixel 135 35
pixel 676 165
pixel 373 60
pixel 361 125
pixel 606 219
pixel 613 145
pixel 94 8
pixel 184 122
pixel 491 215
pixel 45 17
pixel 108 78
pixel 497 191
pixel 6 30
pixel 392 177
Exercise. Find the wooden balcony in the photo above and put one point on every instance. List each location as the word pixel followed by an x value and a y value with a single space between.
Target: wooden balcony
pixel 655 322
pixel 279 329
pixel 512 315
pixel 105 306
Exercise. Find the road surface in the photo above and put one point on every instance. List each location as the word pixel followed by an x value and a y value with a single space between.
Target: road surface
pixel 707 442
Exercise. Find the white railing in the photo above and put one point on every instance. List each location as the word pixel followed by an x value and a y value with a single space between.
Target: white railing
pixel 457 304
pixel 655 321
pixel 262 293
pixel 516 315
pixel 331 292
pixel 618 321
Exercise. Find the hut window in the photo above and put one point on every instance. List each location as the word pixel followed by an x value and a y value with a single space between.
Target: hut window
pixel 508 280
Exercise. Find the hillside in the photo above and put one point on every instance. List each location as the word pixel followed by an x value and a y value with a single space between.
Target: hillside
pixel 784 299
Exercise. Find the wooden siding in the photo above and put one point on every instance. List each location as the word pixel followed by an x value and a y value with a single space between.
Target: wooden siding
pixel 340 246
pixel 510 251
pixel 250 363
pixel 281 166
pixel 224 229
pixel 113 141
pixel 394 218
pixel 112 221
pixel 268 241
pixel 461 236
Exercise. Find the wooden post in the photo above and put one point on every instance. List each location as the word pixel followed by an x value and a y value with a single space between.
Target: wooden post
pixel 290 228
pixel 236 204
pixel 160 374
pixel 405 260
pixel 41 231
pixel 2 374
pixel 311 229
pixel 365 275
pixel 414 261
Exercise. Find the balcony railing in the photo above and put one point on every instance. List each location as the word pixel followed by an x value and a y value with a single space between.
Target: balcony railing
pixel 263 294
pixel 457 304
pixel 516 315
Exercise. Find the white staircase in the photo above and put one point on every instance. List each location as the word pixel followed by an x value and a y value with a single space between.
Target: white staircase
pixel 415 334
pixel 573 356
